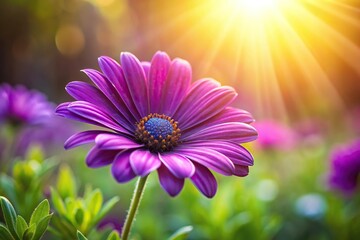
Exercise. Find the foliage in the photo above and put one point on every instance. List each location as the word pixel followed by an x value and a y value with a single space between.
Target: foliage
pixel 17 228
pixel 25 186
pixel 114 235
pixel 75 213
pixel 182 233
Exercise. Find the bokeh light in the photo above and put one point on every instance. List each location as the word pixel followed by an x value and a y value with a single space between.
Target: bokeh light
pixel 69 40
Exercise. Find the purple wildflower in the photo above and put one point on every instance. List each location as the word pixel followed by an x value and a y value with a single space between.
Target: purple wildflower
pixel 19 105
pixel 345 168
pixel 110 222
pixel 49 135
pixel 33 117
pixel 159 121
pixel 274 135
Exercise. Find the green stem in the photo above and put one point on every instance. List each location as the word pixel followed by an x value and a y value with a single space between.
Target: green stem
pixel 135 201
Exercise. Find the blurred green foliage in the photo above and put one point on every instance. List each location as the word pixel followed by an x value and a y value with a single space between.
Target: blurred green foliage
pixel 75 213
pixel 16 226
pixel 28 180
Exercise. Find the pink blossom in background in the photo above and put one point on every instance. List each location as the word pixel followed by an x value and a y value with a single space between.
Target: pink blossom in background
pixel 274 135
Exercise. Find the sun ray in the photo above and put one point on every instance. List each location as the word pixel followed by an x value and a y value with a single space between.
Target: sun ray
pixel 339 11
pixel 216 46
pixel 287 53
pixel 307 62
pixel 330 37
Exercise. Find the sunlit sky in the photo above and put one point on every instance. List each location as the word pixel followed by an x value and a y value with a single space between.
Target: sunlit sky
pixel 279 54
pixel 275 44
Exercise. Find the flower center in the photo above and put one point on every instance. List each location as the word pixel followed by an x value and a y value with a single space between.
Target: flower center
pixel 157 132
pixel 159 127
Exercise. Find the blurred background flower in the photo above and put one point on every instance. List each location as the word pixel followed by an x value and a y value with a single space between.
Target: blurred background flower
pixel 20 106
pixel 275 136
pixel 27 119
pixel 50 136
pixel 345 168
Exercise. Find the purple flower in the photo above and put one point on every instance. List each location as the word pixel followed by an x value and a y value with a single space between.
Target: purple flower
pixel 274 135
pixel 345 168
pixel 158 120
pixel 34 119
pixel 49 135
pixel 19 105
pixel 110 222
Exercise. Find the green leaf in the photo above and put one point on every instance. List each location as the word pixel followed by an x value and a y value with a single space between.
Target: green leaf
pixel 29 232
pixel 71 206
pixel 9 215
pixel 182 233
pixel 114 235
pixel 64 226
pixel 41 227
pixel 94 202
pixel 21 226
pixel 79 216
pixel 4 233
pixel 106 208
pixel 88 190
pixel 66 184
pixel 35 152
pixel 57 202
pixel 41 211
pixel 46 167
pixel 80 236
pixel 7 185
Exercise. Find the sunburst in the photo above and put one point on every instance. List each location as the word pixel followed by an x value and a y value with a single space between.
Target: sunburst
pixel 282 55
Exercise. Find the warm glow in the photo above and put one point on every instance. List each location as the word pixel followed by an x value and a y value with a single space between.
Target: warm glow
pixel 253 6
pixel 286 53
pixel 274 47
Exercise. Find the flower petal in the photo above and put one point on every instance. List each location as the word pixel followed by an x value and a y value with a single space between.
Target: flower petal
pixel 204 180
pixel 178 165
pixel 121 168
pixel 63 111
pixel 110 92
pixel 233 131
pixel 94 113
pixel 109 141
pixel 207 106
pixel 197 90
pixel 146 66
pixel 229 114
pixel 114 72
pixel 208 158
pixel 99 158
pixel 83 91
pixel 235 152
pixel 82 138
pixel 176 85
pixel 241 171
pixel 143 162
pixel 171 184
pixel 160 65
pixel 136 82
